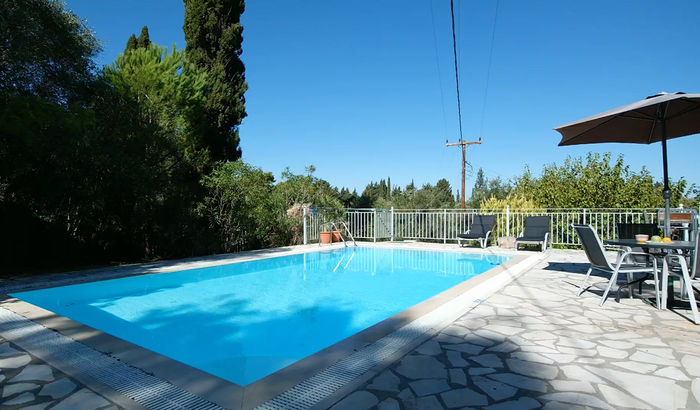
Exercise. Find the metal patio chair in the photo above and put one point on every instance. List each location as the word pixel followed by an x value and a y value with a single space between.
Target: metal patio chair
pixel 628 231
pixel 480 230
pixel 596 256
pixel 676 265
pixel 536 231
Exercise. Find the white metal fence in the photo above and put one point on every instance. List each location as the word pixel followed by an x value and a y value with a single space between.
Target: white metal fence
pixel 443 225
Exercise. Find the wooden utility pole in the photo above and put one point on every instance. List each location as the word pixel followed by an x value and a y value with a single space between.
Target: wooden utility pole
pixel 463 144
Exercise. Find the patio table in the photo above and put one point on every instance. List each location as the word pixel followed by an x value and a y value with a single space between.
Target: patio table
pixel 664 247
pixel 633 243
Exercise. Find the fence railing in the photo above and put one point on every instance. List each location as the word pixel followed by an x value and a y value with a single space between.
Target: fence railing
pixel 444 224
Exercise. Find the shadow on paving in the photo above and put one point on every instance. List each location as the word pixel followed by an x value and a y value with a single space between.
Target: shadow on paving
pixel 27 382
pixel 535 344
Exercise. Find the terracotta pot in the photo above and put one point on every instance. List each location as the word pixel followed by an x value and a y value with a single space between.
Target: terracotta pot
pixel 325 237
pixel 337 236
pixel 507 242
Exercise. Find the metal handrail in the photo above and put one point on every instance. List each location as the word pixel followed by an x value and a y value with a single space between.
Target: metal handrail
pixel 348 232
pixel 335 228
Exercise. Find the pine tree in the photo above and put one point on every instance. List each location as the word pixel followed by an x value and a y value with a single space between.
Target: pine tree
pixel 382 190
pixel 131 44
pixel 143 41
pixel 214 34
pixel 479 192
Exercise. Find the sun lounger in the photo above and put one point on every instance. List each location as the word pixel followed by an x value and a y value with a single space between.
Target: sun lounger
pixel 536 231
pixel 480 230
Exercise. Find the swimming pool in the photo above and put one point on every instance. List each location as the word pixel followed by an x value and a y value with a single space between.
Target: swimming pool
pixel 246 320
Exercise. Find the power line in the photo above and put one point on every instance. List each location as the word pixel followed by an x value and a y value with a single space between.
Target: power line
pixel 488 70
pixel 439 71
pixel 454 49
pixel 462 143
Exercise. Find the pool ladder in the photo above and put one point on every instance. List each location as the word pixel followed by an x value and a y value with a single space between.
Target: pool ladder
pixel 335 229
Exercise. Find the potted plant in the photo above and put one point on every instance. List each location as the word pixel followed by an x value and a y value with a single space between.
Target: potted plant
pixel 325 236
pixel 329 231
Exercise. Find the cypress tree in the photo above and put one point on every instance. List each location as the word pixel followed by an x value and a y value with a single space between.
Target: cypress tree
pixel 214 34
pixel 131 44
pixel 143 41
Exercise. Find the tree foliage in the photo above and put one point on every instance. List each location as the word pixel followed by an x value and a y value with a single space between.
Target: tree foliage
pixel 349 199
pixel 376 195
pixel 692 197
pixel 104 165
pixel 214 34
pixel 46 85
pixel 437 196
pixel 45 51
pixel 240 207
pixel 248 211
pixel 514 201
pixel 162 143
pixel 382 195
pixel 131 44
pixel 170 94
pixel 485 188
pixel 306 189
pixel 597 182
pixel 142 41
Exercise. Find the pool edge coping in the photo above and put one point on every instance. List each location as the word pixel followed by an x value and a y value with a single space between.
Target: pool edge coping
pixel 499 278
pixel 232 395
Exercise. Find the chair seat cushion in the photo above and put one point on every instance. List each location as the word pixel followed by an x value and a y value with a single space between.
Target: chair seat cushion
pixel 470 235
pixel 529 239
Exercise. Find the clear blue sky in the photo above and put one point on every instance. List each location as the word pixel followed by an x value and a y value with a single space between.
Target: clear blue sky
pixel 365 89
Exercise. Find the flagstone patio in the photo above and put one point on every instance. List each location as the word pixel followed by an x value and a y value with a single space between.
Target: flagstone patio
pixel 29 383
pixel 535 344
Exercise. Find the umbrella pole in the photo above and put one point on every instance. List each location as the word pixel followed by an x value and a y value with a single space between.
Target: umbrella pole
pixel 667 190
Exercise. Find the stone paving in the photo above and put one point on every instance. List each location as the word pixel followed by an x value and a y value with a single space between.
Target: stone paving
pixel 29 383
pixel 535 344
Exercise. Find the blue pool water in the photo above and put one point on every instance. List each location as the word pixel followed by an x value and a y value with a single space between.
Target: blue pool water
pixel 243 321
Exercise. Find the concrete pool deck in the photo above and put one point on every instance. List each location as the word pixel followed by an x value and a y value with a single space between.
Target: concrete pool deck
pixel 532 344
